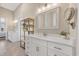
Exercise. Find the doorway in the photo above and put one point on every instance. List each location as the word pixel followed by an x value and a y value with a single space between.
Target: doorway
pixel 2 28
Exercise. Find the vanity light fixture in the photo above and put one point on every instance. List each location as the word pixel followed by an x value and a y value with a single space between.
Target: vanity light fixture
pixel 41 9
pixel 46 7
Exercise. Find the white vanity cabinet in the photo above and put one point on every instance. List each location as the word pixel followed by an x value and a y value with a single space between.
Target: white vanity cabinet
pixel 42 46
pixel 37 47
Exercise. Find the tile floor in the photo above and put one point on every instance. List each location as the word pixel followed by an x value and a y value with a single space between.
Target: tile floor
pixel 8 48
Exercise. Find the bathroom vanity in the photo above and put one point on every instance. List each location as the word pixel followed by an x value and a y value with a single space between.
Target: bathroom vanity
pixel 53 21
pixel 49 46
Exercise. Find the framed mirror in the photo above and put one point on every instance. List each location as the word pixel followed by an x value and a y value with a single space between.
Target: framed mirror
pixel 68 15
pixel 48 20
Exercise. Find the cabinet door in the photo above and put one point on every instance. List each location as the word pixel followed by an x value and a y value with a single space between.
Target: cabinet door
pixel 52 52
pixel 27 44
pixel 37 47
pixel 42 50
pixel 40 20
pixel 38 50
pixel 41 47
pixel 33 49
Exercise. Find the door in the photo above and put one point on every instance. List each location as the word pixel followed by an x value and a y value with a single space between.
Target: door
pixel 37 47
pixel 33 48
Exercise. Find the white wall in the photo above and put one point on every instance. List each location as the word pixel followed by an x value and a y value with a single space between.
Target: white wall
pixel 24 11
pixel 77 41
pixel 27 10
pixel 8 15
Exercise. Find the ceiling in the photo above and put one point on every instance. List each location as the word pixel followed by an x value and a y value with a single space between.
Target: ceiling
pixel 10 6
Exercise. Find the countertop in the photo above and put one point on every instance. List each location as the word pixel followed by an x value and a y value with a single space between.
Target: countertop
pixel 54 38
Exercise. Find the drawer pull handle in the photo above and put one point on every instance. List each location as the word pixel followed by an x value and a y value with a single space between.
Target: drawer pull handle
pixel 55 55
pixel 37 49
pixel 57 48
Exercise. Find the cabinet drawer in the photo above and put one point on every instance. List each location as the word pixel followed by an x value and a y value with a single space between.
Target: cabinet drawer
pixel 39 41
pixel 62 48
pixel 52 52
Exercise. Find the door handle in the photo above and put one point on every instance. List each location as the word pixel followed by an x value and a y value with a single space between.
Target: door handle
pixel 58 48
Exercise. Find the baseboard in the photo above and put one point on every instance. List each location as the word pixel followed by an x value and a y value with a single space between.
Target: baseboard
pixel 9 40
pixel 13 40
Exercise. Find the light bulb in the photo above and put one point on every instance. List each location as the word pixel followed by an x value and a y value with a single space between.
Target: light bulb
pixel 15 21
pixel 39 10
pixel 43 8
pixel 48 6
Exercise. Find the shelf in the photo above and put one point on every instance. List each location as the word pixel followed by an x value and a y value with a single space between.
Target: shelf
pixel 29 27
pixel 22 40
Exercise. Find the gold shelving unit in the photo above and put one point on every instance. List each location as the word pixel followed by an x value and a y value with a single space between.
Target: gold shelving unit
pixel 30 26
pixel 27 25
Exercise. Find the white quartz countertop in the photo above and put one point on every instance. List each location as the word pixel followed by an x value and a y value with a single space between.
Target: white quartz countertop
pixel 56 39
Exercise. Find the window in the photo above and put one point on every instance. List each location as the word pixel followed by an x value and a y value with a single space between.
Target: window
pixel 2 24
